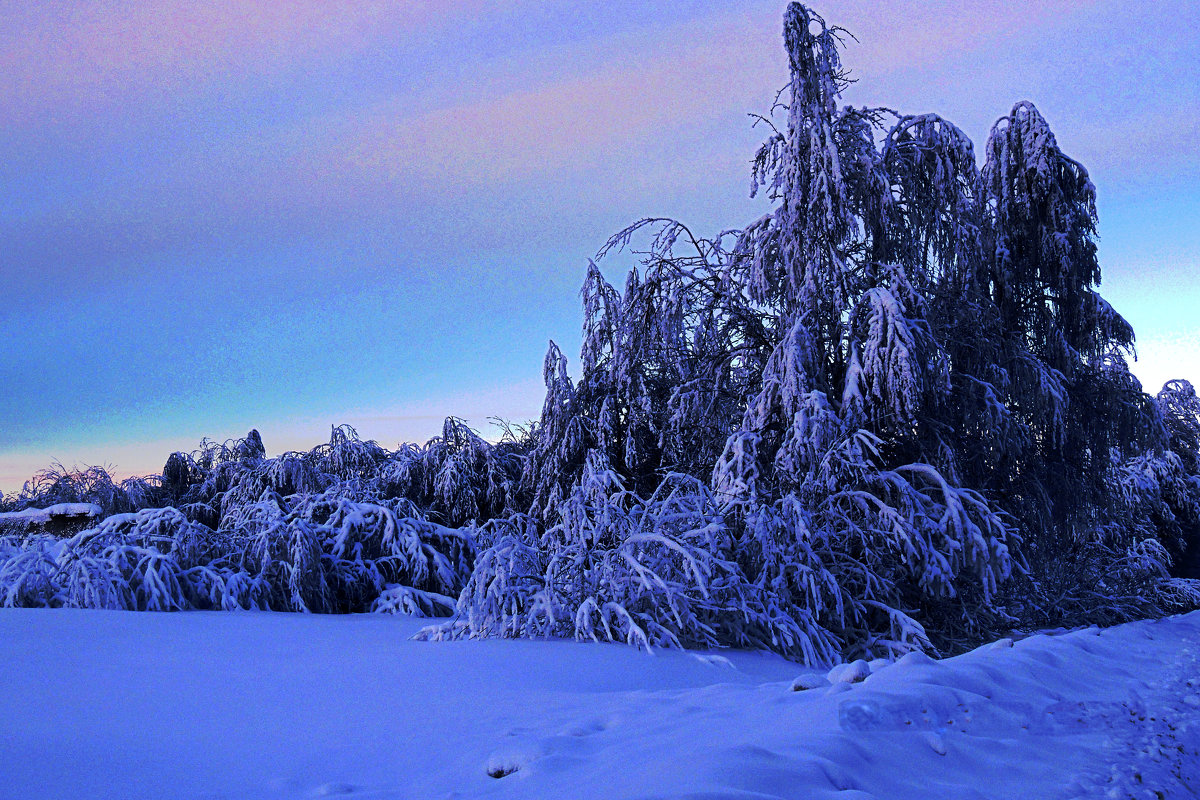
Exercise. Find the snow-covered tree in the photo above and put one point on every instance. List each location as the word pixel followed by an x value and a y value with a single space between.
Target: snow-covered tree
pixel 1180 409
pixel 892 413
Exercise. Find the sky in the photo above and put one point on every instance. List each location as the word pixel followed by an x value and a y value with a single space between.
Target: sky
pixel 218 215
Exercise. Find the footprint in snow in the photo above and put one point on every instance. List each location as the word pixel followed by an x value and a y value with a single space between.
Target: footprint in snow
pixel 714 660
pixel 585 728
pixel 513 758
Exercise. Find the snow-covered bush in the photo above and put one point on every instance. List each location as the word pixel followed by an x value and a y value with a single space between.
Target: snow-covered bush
pixel 381 545
pixel 1180 409
pixel 658 571
pixel 136 561
pixel 346 457
pixel 330 545
pixel 28 571
pixel 689 567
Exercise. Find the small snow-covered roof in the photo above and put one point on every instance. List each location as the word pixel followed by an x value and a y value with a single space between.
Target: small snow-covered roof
pixel 40 516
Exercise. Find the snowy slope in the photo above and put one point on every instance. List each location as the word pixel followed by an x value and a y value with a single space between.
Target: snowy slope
pixel 260 705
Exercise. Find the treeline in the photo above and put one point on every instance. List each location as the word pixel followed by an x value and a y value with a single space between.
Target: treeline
pixel 894 413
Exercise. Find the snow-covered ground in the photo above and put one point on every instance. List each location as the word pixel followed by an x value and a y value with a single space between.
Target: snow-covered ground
pixel 97 704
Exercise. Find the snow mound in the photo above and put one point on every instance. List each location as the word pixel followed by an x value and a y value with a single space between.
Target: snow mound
pixel 854 672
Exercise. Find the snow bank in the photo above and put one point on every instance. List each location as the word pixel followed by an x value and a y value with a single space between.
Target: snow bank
pixel 260 705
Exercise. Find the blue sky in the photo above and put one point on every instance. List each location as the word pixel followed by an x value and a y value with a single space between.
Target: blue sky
pixel 223 215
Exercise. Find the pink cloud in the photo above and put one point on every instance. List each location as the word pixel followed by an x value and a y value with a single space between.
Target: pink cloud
pixel 648 86
pixel 1167 137
pixel 65 58
pixel 895 36
pixel 591 111
pixel 559 121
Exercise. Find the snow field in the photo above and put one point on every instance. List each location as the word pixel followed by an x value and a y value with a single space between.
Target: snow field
pixel 259 705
